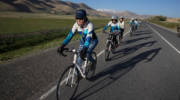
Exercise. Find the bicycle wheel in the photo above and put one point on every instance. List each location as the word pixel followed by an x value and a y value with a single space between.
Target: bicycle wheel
pixel 90 70
pixel 67 84
pixel 107 51
pixel 113 47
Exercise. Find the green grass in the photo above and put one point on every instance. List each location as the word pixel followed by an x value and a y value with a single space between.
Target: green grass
pixel 35 34
pixel 166 24
pixel 22 25
pixel 8 56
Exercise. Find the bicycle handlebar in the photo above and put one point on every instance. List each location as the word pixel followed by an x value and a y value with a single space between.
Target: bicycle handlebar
pixel 111 33
pixel 68 50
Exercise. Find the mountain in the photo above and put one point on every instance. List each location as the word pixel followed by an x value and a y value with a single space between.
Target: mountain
pixel 47 6
pixel 127 14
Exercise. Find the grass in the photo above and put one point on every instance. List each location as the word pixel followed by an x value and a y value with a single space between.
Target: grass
pixel 8 56
pixel 170 25
pixel 23 25
pixel 28 28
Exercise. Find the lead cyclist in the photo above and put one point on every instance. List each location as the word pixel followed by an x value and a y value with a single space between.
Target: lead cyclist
pixel 88 41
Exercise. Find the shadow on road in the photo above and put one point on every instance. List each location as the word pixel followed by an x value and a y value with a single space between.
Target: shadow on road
pixel 137 39
pixel 139 33
pixel 111 74
pixel 130 50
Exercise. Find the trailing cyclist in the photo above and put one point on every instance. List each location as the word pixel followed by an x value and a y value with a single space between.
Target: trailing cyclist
pixel 136 24
pixel 132 26
pixel 88 39
pixel 114 27
pixel 122 26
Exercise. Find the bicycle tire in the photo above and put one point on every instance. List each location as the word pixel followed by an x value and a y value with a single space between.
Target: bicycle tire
pixel 91 69
pixel 61 94
pixel 107 51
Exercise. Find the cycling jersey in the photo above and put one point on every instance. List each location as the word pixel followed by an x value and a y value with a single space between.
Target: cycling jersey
pixel 132 22
pixel 114 27
pixel 87 33
pixel 121 24
pixel 136 23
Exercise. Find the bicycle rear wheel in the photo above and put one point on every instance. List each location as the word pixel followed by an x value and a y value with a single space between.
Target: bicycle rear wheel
pixel 67 84
pixel 90 70
pixel 107 51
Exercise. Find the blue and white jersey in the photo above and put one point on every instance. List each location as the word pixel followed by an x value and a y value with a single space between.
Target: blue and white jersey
pixel 114 27
pixel 136 22
pixel 132 22
pixel 87 33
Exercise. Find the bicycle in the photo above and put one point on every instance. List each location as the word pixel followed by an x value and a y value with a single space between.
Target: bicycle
pixel 132 29
pixel 70 78
pixel 111 44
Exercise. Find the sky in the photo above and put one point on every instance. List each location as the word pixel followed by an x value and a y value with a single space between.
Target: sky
pixel 170 8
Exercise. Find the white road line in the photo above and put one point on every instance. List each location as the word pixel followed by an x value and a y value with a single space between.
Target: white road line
pixel 100 53
pixel 165 40
pixel 45 95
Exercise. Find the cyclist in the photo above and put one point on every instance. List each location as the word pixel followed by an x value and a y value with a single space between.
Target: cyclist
pixel 115 27
pixel 136 23
pixel 122 26
pixel 132 25
pixel 88 39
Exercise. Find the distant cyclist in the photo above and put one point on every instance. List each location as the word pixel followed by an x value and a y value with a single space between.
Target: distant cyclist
pixel 114 27
pixel 132 26
pixel 88 39
pixel 136 24
pixel 122 26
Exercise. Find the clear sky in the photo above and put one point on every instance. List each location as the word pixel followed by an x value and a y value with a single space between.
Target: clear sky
pixel 170 8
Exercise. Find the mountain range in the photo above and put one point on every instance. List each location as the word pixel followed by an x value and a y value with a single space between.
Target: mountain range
pixel 58 7
pixel 127 14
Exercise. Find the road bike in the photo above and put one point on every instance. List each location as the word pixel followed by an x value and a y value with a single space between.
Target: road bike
pixel 111 44
pixel 70 78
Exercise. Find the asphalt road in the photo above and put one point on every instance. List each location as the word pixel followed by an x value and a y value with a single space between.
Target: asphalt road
pixel 145 66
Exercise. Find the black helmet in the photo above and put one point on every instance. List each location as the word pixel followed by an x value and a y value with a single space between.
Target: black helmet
pixel 81 14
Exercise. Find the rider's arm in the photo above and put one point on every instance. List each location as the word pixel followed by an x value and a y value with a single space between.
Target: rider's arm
pixel 70 35
pixel 89 35
pixel 119 27
pixel 105 28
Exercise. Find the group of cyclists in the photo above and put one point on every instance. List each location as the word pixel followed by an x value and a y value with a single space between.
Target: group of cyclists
pixel 89 39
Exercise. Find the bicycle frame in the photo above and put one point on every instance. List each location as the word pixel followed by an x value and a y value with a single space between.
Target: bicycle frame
pixel 76 67
pixel 110 39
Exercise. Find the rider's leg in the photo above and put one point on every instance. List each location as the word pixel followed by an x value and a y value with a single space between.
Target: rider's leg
pixel 122 32
pixel 90 49
pixel 115 40
pixel 79 60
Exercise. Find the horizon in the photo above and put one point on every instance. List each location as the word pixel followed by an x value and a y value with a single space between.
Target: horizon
pixel 167 8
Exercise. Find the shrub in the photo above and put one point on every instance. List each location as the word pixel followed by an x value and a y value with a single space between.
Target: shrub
pixel 160 18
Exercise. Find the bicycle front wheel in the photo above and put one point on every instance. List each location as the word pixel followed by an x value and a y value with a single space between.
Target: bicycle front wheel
pixel 67 84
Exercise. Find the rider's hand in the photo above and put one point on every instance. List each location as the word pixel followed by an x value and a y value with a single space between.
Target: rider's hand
pixel 103 31
pixel 83 53
pixel 61 49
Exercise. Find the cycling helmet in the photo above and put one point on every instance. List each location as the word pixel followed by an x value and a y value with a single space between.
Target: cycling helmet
pixel 114 17
pixel 122 17
pixel 81 14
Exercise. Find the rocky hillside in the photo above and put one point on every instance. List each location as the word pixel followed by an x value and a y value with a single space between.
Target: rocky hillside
pixel 127 14
pixel 47 6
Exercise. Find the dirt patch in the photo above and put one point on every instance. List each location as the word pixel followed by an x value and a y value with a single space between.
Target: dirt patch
pixel 174 20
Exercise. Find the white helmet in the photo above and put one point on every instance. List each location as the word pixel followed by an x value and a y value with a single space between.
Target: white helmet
pixel 132 19
pixel 122 17
pixel 114 17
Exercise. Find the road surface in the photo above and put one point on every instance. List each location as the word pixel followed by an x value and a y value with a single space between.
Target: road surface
pixel 145 66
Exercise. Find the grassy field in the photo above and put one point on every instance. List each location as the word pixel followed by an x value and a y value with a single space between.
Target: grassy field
pixel 167 24
pixel 26 34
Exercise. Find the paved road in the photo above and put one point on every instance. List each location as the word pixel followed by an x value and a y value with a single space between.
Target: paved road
pixel 145 67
